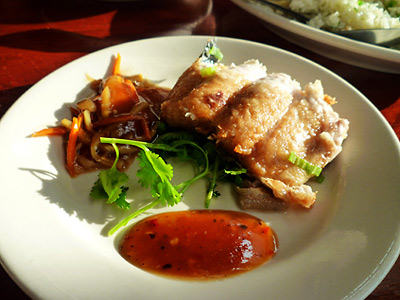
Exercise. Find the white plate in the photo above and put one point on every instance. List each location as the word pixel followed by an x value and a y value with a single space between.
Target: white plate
pixel 325 43
pixel 52 235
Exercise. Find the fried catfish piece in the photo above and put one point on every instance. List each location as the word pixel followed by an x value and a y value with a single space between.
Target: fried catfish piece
pixel 196 99
pixel 253 112
pixel 259 119
pixel 272 117
pixel 312 130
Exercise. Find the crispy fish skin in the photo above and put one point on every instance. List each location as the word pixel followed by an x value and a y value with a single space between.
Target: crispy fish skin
pixel 195 101
pixel 243 122
pixel 188 81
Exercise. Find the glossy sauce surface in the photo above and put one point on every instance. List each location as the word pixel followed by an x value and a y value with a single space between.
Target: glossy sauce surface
pixel 199 244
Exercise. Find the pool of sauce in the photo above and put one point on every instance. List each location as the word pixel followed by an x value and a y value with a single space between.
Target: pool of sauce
pixel 199 244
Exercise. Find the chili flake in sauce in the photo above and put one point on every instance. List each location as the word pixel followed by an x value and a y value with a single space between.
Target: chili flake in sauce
pixel 199 244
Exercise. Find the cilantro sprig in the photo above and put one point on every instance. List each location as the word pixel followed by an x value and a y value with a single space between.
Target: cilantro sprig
pixel 111 185
pixel 216 166
pixel 156 174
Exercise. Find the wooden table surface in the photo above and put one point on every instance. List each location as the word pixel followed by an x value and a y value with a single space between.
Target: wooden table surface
pixel 37 37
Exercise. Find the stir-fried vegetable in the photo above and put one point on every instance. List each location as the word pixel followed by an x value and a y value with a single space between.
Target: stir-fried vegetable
pixel 71 147
pixel 50 131
pixel 124 107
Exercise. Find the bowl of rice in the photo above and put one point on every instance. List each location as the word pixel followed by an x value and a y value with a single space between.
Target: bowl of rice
pixel 336 15
pixel 328 16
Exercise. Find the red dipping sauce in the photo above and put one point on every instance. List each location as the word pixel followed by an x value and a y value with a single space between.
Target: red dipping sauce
pixel 199 244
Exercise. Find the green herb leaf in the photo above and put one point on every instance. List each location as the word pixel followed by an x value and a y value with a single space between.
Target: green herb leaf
pixel 97 192
pixel 212 185
pixel 113 181
pixel 110 185
pixel 121 200
pixel 154 173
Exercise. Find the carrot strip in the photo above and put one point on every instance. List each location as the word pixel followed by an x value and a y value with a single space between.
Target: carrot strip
pixel 71 146
pixel 50 131
pixel 146 131
pixel 117 65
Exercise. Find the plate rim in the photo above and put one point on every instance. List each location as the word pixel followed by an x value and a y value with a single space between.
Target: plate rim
pixel 15 106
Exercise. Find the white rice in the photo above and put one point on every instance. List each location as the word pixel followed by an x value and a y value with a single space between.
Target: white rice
pixel 349 14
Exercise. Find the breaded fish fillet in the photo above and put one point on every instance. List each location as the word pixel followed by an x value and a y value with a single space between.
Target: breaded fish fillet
pixel 311 129
pixel 195 99
pixel 260 119
pixel 253 112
